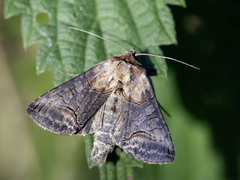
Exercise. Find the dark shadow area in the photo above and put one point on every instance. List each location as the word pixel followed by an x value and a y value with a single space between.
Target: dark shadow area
pixel 113 157
pixel 208 34
pixel 147 64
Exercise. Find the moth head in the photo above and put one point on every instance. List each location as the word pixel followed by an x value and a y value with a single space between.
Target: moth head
pixel 131 58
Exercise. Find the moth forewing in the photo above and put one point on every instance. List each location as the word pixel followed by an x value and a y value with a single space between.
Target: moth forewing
pixel 67 108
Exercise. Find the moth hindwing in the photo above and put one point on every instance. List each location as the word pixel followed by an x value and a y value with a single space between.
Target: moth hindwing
pixel 115 101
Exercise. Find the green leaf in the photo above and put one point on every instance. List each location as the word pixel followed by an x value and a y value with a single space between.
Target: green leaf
pixel 159 63
pixel 89 139
pixel 108 171
pixel 125 164
pixel 122 169
pixel 140 24
pixel 13 8
pixel 136 24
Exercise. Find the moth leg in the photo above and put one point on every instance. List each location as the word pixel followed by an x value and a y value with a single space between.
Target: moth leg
pixel 103 145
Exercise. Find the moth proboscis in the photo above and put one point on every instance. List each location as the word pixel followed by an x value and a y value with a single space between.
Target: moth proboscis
pixel 115 101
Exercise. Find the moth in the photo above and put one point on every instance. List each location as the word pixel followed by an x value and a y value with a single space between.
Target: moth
pixel 116 103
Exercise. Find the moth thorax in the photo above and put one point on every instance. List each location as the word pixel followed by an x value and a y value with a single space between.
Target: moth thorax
pixel 122 74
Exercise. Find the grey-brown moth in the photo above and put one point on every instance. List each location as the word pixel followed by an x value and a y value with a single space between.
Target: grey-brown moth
pixel 115 101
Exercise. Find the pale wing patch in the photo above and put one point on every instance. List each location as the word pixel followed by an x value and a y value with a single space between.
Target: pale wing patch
pixel 139 90
pixel 104 81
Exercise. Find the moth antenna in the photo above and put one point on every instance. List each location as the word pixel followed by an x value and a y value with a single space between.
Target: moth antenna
pixel 172 59
pixel 100 37
pixel 69 74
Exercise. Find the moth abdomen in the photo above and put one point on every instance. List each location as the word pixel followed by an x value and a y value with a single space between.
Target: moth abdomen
pixel 103 145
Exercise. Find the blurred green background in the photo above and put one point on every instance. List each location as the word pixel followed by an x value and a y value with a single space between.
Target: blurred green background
pixel 203 104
